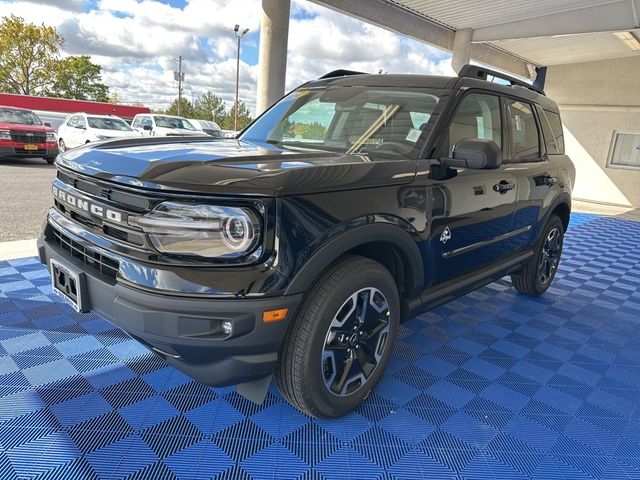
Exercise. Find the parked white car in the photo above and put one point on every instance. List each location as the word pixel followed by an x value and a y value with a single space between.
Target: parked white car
pixel 207 126
pixel 164 125
pixel 81 128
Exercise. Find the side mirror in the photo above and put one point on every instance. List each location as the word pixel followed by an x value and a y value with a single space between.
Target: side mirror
pixel 147 126
pixel 476 154
pixel 47 124
pixel 81 127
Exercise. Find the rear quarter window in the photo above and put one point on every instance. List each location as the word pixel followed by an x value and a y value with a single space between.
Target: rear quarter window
pixel 556 128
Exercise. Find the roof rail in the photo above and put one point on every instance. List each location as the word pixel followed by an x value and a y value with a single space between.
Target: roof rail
pixel 475 71
pixel 340 73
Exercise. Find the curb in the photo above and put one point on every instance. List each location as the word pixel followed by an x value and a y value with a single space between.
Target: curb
pixel 18 249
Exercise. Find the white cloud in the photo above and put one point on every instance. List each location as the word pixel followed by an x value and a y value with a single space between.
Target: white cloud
pixel 137 43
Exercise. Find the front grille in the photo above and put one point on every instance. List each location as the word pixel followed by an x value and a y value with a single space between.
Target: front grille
pixel 22 151
pixel 101 263
pixel 130 201
pixel 28 137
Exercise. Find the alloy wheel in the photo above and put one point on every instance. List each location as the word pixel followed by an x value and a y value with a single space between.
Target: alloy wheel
pixel 549 256
pixel 355 342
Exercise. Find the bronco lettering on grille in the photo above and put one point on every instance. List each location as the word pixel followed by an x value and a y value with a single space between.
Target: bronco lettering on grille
pixel 86 205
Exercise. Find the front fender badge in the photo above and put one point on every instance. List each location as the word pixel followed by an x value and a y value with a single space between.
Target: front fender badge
pixel 446 235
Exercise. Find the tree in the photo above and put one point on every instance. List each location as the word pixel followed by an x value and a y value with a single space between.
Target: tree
pixel 186 108
pixel 244 117
pixel 78 78
pixel 28 53
pixel 209 107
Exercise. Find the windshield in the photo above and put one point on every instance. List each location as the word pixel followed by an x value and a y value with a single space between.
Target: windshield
pixel 24 117
pixel 109 124
pixel 358 120
pixel 173 122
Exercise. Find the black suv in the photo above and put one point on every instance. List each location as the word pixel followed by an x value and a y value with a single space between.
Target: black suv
pixel 355 202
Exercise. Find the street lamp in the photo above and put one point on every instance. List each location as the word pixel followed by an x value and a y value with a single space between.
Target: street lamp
pixel 239 35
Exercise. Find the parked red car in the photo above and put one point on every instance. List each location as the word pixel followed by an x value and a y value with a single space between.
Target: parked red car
pixel 23 135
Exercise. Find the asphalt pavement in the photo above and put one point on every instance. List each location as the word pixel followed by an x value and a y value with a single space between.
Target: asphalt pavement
pixel 25 197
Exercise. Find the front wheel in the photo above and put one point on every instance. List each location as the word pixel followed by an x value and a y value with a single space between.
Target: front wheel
pixel 50 160
pixel 536 277
pixel 62 146
pixel 341 341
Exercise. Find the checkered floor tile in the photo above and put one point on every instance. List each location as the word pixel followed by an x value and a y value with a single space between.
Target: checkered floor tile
pixel 494 385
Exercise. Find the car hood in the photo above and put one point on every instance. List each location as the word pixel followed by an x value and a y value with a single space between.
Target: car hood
pixel 177 131
pixel 26 128
pixel 114 133
pixel 231 167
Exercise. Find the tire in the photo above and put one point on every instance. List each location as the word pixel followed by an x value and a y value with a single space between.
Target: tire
pixel 538 274
pixel 61 145
pixel 50 160
pixel 312 374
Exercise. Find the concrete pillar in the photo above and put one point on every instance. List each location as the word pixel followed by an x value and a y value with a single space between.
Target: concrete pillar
pixel 461 49
pixel 272 59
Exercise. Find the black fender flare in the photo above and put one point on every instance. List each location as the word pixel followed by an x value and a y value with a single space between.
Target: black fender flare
pixel 562 198
pixel 356 237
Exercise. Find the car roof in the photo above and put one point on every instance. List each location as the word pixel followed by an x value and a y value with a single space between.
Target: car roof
pixel 386 80
pixel 164 115
pixel 95 115
pixel 11 107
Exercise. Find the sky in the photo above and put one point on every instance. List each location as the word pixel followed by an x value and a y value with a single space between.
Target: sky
pixel 138 42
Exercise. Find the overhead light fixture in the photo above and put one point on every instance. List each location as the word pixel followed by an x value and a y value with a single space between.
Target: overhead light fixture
pixel 629 39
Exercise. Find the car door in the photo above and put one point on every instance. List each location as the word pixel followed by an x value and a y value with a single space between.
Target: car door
pixel 81 131
pixel 536 177
pixel 69 132
pixel 470 215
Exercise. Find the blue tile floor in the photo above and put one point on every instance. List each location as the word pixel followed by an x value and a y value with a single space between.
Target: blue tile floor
pixel 494 385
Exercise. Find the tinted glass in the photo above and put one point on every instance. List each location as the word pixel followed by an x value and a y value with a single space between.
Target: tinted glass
pixel 173 122
pixel 477 117
pixel 556 127
pixel 353 120
pixel 524 131
pixel 549 139
pixel 23 117
pixel 108 124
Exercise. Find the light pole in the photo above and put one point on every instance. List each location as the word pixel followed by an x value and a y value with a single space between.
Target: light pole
pixel 178 76
pixel 239 35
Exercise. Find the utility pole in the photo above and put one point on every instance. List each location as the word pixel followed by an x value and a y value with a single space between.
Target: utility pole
pixel 179 77
pixel 239 35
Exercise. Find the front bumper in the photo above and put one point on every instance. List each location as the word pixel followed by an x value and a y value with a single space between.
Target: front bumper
pixel 18 150
pixel 186 331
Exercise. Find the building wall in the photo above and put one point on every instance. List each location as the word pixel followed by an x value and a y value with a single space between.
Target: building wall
pixel 597 99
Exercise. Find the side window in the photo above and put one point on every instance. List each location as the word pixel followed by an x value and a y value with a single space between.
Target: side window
pixel 72 121
pixel 556 127
pixel 525 140
pixel 477 117
pixel 549 138
pixel 80 123
pixel 137 122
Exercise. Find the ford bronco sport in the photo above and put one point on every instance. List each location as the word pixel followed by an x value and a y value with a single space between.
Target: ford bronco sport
pixel 355 202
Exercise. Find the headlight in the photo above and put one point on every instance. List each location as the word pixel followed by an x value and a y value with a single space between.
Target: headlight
pixel 203 230
pixel 51 137
pixel 5 135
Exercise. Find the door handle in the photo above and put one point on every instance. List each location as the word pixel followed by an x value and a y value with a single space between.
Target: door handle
pixel 504 186
pixel 549 180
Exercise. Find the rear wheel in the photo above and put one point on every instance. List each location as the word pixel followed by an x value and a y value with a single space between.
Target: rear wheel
pixel 50 160
pixel 536 277
pixel 341 340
